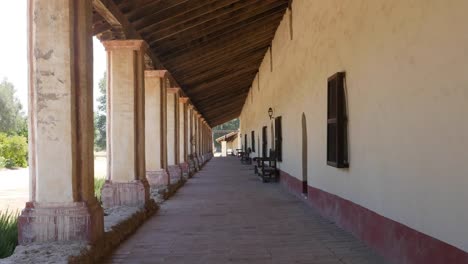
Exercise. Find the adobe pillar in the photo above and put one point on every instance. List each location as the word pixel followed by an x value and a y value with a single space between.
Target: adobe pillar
pixel 173 168
pixel 190 141
pixel 183 131
pixel 126 180
pixel 61 203
pixel 155 128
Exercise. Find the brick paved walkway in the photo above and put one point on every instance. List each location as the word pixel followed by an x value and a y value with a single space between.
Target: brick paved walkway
pixel 227 215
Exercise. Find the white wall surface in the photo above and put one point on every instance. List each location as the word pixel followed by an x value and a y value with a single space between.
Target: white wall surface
pixel 407 90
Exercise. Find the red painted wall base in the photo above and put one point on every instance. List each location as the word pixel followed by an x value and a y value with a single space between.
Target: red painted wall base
pixel 396 242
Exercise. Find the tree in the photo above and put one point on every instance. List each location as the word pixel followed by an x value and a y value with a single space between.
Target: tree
pixel 12 119
pixel 100 117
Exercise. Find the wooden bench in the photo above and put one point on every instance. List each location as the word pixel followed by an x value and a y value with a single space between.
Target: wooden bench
pixel 267 167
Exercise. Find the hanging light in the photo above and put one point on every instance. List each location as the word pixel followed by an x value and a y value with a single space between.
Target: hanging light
pixel 270 113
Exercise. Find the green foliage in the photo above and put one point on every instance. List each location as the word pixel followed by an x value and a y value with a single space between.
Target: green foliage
pixel 100 117
pixel 8 233
pixel 98 183
pixel 230 125
pixel 12 119
pixel 13 151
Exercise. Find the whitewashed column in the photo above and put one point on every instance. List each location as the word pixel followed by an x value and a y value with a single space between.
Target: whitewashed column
pixel 155 133
pixel 126 180
pixel 173 168
pixel 183 131
pixel 62 205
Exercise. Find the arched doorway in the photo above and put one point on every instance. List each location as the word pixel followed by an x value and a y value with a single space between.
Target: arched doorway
pixel 304 155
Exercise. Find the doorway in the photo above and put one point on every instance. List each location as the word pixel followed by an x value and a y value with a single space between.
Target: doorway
pixel 304 155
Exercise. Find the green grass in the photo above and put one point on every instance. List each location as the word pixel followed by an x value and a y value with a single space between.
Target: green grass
pixel 98 183
pixel 8 233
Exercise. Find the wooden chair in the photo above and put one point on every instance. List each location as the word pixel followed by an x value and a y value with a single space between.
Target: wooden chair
pixel 267 167
pixel 245 158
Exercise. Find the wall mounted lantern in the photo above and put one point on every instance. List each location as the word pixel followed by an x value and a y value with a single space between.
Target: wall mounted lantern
pixel 270 113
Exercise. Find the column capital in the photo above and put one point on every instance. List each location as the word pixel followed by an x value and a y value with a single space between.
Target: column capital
pixel 156 73
pixel 173 90
pixel 132 44
pixel 184 100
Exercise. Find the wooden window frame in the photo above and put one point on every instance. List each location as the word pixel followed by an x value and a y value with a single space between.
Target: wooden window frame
pixel 337 122
pixel 279 138
pixel 252 134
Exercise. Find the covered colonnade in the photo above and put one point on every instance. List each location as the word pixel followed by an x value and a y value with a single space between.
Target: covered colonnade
pixel 362 103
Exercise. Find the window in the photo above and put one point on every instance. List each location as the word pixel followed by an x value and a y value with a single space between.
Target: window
pixel 253 141
pixel 278 139
pixel 245 143
pixel 337 122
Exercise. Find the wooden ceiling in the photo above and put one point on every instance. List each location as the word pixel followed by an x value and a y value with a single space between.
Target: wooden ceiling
pixel 212 48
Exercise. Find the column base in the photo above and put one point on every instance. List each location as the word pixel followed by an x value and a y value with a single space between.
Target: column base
pixel 191 165
pixel 175 173
pixel 47 222
pixel 157 178
pixel 134 193
pixel 197 163
pixel 184 167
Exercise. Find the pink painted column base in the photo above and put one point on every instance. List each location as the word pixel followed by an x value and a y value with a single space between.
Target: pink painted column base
pixel 135 193
pixel 60 222
pixel 157 178
pixel 184 167
pixel 175 173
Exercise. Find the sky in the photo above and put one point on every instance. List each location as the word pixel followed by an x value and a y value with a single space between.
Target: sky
pixel 13 50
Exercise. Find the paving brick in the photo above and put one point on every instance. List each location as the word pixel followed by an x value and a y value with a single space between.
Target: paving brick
pixel 225 214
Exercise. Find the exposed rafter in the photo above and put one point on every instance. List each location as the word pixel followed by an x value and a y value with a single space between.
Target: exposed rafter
pixel 212 48
pixel 111 13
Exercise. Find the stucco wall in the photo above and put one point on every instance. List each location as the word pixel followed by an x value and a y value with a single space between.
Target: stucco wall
pixel 407 92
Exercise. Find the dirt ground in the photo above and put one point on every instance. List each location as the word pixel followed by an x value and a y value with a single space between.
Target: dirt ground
pixel 14 184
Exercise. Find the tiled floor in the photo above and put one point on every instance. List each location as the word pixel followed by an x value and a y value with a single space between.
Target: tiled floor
pixel 225 214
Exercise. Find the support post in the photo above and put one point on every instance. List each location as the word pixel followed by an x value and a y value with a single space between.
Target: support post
pixel 126 180
pixel 62 205
pixel 173 168
pixel 183 130
pixel 155 132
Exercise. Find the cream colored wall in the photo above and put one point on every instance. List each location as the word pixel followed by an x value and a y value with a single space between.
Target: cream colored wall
pixel 407 83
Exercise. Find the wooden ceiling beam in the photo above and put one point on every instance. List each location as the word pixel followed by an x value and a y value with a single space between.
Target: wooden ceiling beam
pixel 226 116
pixel 112 14
pixel 224 74
pixel 179 14
pixel 220 46
pixel 140 16
pixel 225 23
pixel 195 20
pixel 240 56
pixel 224 83
pixel 130 5
pixel 220 77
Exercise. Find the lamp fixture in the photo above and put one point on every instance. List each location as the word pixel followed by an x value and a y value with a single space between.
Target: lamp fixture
pixel 270 113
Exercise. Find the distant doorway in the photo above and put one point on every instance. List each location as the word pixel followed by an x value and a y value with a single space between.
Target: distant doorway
pixel 304 155
pixel 264 142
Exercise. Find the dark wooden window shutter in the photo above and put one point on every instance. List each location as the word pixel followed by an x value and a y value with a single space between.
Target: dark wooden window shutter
pixel 337 122
pixel 278 139
pixel 245 143
pixel 253 141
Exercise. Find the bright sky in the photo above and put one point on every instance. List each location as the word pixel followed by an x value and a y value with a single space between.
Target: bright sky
pixel 13 50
